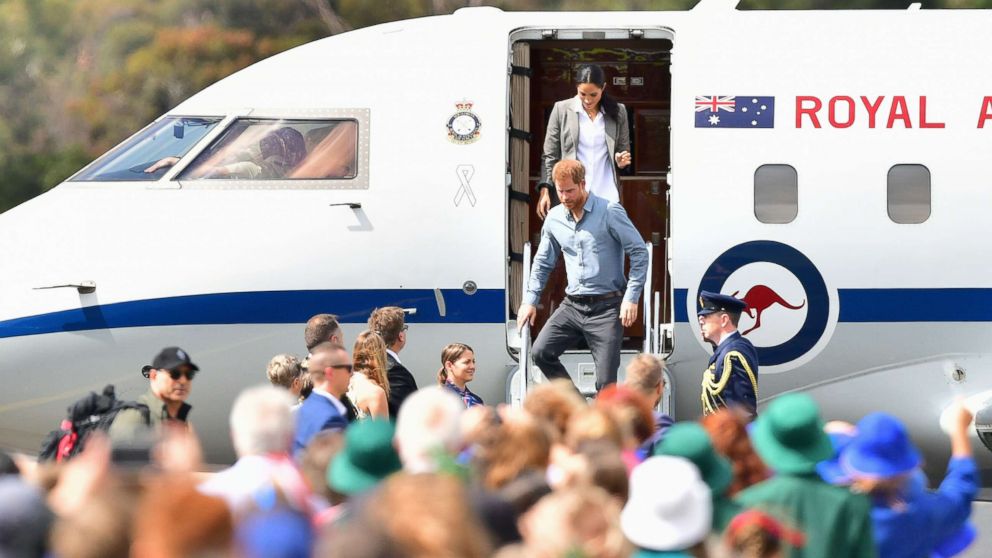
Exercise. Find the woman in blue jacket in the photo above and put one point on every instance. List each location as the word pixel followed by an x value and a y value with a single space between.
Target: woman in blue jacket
pixel 909 520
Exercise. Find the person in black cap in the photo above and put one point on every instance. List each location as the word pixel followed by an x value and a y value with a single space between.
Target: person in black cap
pixel 731 378
pixel 171 379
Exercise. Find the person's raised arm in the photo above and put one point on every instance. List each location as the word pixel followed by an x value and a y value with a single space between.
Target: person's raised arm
pixel 960 440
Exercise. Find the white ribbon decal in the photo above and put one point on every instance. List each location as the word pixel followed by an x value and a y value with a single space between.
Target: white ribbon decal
pixel 465 174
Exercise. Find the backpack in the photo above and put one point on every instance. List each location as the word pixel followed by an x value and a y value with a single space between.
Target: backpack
pixel 89 414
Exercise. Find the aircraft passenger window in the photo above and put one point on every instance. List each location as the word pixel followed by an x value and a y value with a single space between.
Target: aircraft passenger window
pixel 776 194
pixel 909 194
pixel 148 154
pixel 280 149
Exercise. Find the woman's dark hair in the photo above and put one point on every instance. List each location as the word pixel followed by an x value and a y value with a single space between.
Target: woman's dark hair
pixel 591 73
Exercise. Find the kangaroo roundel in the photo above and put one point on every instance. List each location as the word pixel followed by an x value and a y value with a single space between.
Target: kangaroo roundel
pixel 789 307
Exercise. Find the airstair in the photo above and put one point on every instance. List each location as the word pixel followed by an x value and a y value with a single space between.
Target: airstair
pixel 658 341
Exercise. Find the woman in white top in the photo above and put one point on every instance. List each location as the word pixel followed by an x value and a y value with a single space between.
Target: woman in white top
pixel 369 388
pixel 590 127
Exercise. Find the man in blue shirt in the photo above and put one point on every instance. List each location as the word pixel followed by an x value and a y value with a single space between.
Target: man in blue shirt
pixel 593 235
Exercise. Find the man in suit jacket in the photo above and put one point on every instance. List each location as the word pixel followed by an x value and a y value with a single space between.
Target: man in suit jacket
pixel 330 369
pixel 388 322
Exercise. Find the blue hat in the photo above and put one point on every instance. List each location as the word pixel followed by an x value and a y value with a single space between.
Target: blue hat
pixel 716 302
pixel 881 449
pixel 280 533
pixel 830 469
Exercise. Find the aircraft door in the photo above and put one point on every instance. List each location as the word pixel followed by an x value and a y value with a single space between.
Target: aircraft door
pixel 636 63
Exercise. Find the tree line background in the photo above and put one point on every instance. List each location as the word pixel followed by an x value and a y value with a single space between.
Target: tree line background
pixel 79 76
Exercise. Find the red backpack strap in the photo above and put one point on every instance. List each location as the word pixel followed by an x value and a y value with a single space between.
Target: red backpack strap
pixel 67 442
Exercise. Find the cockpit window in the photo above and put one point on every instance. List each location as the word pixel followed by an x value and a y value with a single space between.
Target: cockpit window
pixel 280 149
pixel 150 153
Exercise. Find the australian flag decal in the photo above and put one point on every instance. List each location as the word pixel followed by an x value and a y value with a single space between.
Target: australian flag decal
pixel 721 111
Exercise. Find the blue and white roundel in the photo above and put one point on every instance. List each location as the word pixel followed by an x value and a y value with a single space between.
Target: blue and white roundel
pixel 790 308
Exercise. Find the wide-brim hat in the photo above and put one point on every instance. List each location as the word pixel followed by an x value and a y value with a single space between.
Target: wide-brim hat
pixel 691 441
pixel 830 469
pixel 670 507
pixel 789 435
pixel 367 458
pixel 882 449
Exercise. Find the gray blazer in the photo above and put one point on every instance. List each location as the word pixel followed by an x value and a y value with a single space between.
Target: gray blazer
pixel 561 141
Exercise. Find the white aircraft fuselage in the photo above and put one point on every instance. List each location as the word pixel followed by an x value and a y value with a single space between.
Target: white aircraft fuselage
pixel 861 311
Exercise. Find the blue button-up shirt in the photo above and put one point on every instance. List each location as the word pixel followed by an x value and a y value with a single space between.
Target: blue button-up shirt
pixel 594 248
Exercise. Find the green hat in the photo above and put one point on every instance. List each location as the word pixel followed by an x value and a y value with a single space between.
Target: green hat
pixel 789 435
pixel 368 457
pixel 691 441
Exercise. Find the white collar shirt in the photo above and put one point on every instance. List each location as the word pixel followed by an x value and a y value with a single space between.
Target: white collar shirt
pixel 337 403
pixel 595 155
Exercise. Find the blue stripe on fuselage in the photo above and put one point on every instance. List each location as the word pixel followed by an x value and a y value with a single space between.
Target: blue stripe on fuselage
pixel 266 307
pixel 898 305
pixel 485 306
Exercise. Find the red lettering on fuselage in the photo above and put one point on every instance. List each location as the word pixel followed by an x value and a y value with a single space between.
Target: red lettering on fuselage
pixel 844 112
pixel 986 115
pixel 872 109
pixel 808 111
pixel 833 112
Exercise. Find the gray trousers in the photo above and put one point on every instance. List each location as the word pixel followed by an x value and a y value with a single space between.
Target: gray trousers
pixel 597 322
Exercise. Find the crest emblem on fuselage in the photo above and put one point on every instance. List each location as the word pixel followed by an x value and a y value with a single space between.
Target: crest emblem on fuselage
pixel 464 126
pixel 790 313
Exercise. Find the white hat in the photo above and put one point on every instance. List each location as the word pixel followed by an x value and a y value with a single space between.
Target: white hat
pixel 669 508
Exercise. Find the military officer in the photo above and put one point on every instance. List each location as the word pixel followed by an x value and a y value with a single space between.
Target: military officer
pixel 731 380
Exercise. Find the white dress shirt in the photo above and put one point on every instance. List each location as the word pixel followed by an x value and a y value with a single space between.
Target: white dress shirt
pixel 595 155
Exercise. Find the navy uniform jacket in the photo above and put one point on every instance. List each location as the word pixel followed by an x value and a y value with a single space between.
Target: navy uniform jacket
pixel 732 377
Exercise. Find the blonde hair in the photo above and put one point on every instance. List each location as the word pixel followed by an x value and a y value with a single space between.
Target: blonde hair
pixel 582 521
pixel 592 424
pixel 644 373
pixel 369 357
pixel 283 369
pixel 450 353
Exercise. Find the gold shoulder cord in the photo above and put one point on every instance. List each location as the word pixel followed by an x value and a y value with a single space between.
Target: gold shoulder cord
pixel 711 398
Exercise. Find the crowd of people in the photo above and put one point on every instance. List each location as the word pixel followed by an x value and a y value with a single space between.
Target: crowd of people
pixel 326 467
pixel 344 454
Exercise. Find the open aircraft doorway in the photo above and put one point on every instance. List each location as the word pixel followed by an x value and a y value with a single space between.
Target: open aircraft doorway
pixel 636 62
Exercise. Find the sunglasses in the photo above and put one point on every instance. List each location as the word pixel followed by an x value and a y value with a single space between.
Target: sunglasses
pixel 176 374
pixel 348 367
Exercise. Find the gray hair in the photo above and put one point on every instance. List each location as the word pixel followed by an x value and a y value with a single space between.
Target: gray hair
pixel 261 421
pixel 429 421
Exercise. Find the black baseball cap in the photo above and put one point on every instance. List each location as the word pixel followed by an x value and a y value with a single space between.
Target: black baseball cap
pixel 170 358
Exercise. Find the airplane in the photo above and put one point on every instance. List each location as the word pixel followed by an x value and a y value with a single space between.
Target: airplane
pixel 828 167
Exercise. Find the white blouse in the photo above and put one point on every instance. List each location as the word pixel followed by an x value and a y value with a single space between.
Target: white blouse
pixel 595 156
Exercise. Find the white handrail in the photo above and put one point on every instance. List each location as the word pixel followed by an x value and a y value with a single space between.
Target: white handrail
pixel 657 322
pixel 525 368
pixel 648 336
